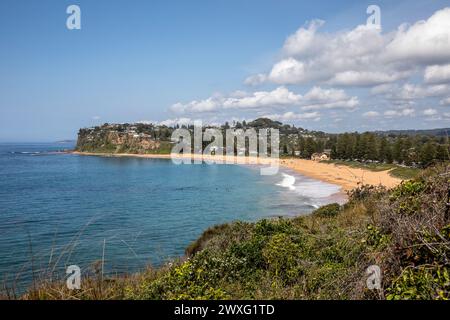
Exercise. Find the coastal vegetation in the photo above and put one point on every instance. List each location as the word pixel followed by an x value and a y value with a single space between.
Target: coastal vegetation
pixel 405 231
pixel 373 150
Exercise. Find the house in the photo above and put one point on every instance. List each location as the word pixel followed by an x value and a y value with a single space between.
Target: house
pixel 322 156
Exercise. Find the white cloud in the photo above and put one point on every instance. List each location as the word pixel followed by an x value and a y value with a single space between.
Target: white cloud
pixel 389 65
pixel 173 122
pixel 288 71
pixel 408 91
pixel 426 42
pixel 317 98
pixel 399 113
pixel 261 99
pixel 255 79
pixel 240 100
pixel 206 105
pixel 291 116
pixel 365 78
pixel 304 41
pixel 430 112
pixel 337 58
pixel 147 122
pixel 445 102
pixel 363 56
pixel 437 74
pixel 371 114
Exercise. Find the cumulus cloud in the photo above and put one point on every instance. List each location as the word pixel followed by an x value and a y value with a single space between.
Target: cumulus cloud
pixel 315 99
pixel 290 71
pixel 255 79
pixel 338 58
pixel 363 56
pixel 430 112
pixel 318 98
pixel 305 41
pixel 399 113
pixel 280 96
pixel 206 105
pixel 437 74
pixel 426 42
pixel 291 116
pixel 404 69
pixel 409 91
pixel 366 78
pixel 261 99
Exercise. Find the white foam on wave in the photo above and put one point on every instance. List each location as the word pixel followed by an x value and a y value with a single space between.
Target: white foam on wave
pixel 25 152
pixel 288 182
pixel 316 189
pixel 307 187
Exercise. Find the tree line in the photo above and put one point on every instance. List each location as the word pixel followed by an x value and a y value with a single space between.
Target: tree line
pixel 406 150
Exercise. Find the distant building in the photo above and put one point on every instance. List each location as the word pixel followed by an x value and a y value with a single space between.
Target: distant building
pixel 321 156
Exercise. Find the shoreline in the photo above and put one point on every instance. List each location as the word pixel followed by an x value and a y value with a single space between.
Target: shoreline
pixel 345 177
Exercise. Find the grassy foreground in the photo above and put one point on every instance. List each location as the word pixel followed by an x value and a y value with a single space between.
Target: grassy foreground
pixel 405 231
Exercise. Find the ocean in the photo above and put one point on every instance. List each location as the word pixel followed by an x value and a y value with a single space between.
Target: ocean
pixel 59 209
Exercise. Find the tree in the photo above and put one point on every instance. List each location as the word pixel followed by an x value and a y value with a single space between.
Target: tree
pixel 409 153
pixel 398 151
pixel 383 150
pixel 371 147
pixel 344 147
pixel 427 154
pixel 301 146
pixel 310 147
pixel 442 152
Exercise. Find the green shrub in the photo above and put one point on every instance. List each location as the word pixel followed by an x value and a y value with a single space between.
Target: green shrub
pixel 407 197
pixel 330 210
pixel 408 189
pixel 423 283
pixel 281 255
pixel 376 238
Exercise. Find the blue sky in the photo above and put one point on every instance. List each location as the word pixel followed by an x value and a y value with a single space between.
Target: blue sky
pixel 135 60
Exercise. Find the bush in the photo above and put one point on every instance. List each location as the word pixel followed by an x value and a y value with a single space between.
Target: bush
pixel 424 283
pixel 281 255
pixel 330 210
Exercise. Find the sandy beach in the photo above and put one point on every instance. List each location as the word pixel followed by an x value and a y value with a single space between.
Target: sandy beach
pixel 347 178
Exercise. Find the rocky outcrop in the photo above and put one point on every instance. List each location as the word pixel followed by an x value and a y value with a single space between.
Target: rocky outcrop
pixel 110 139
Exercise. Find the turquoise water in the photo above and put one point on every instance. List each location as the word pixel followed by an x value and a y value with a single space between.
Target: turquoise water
pixel 62 209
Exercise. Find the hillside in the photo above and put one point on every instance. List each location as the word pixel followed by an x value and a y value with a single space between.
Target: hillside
pixel 407 148
pixel 444 132
pixel 116 138
pixel 404 231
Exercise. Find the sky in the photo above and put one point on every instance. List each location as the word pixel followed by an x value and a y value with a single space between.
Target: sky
pixel 315 64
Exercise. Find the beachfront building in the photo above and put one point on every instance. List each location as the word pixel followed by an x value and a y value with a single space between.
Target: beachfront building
pixel 321 156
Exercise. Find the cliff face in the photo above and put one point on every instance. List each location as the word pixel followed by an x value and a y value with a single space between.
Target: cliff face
pixel 110 139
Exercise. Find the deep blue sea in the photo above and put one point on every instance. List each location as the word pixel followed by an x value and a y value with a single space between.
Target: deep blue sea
pixel 58 209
